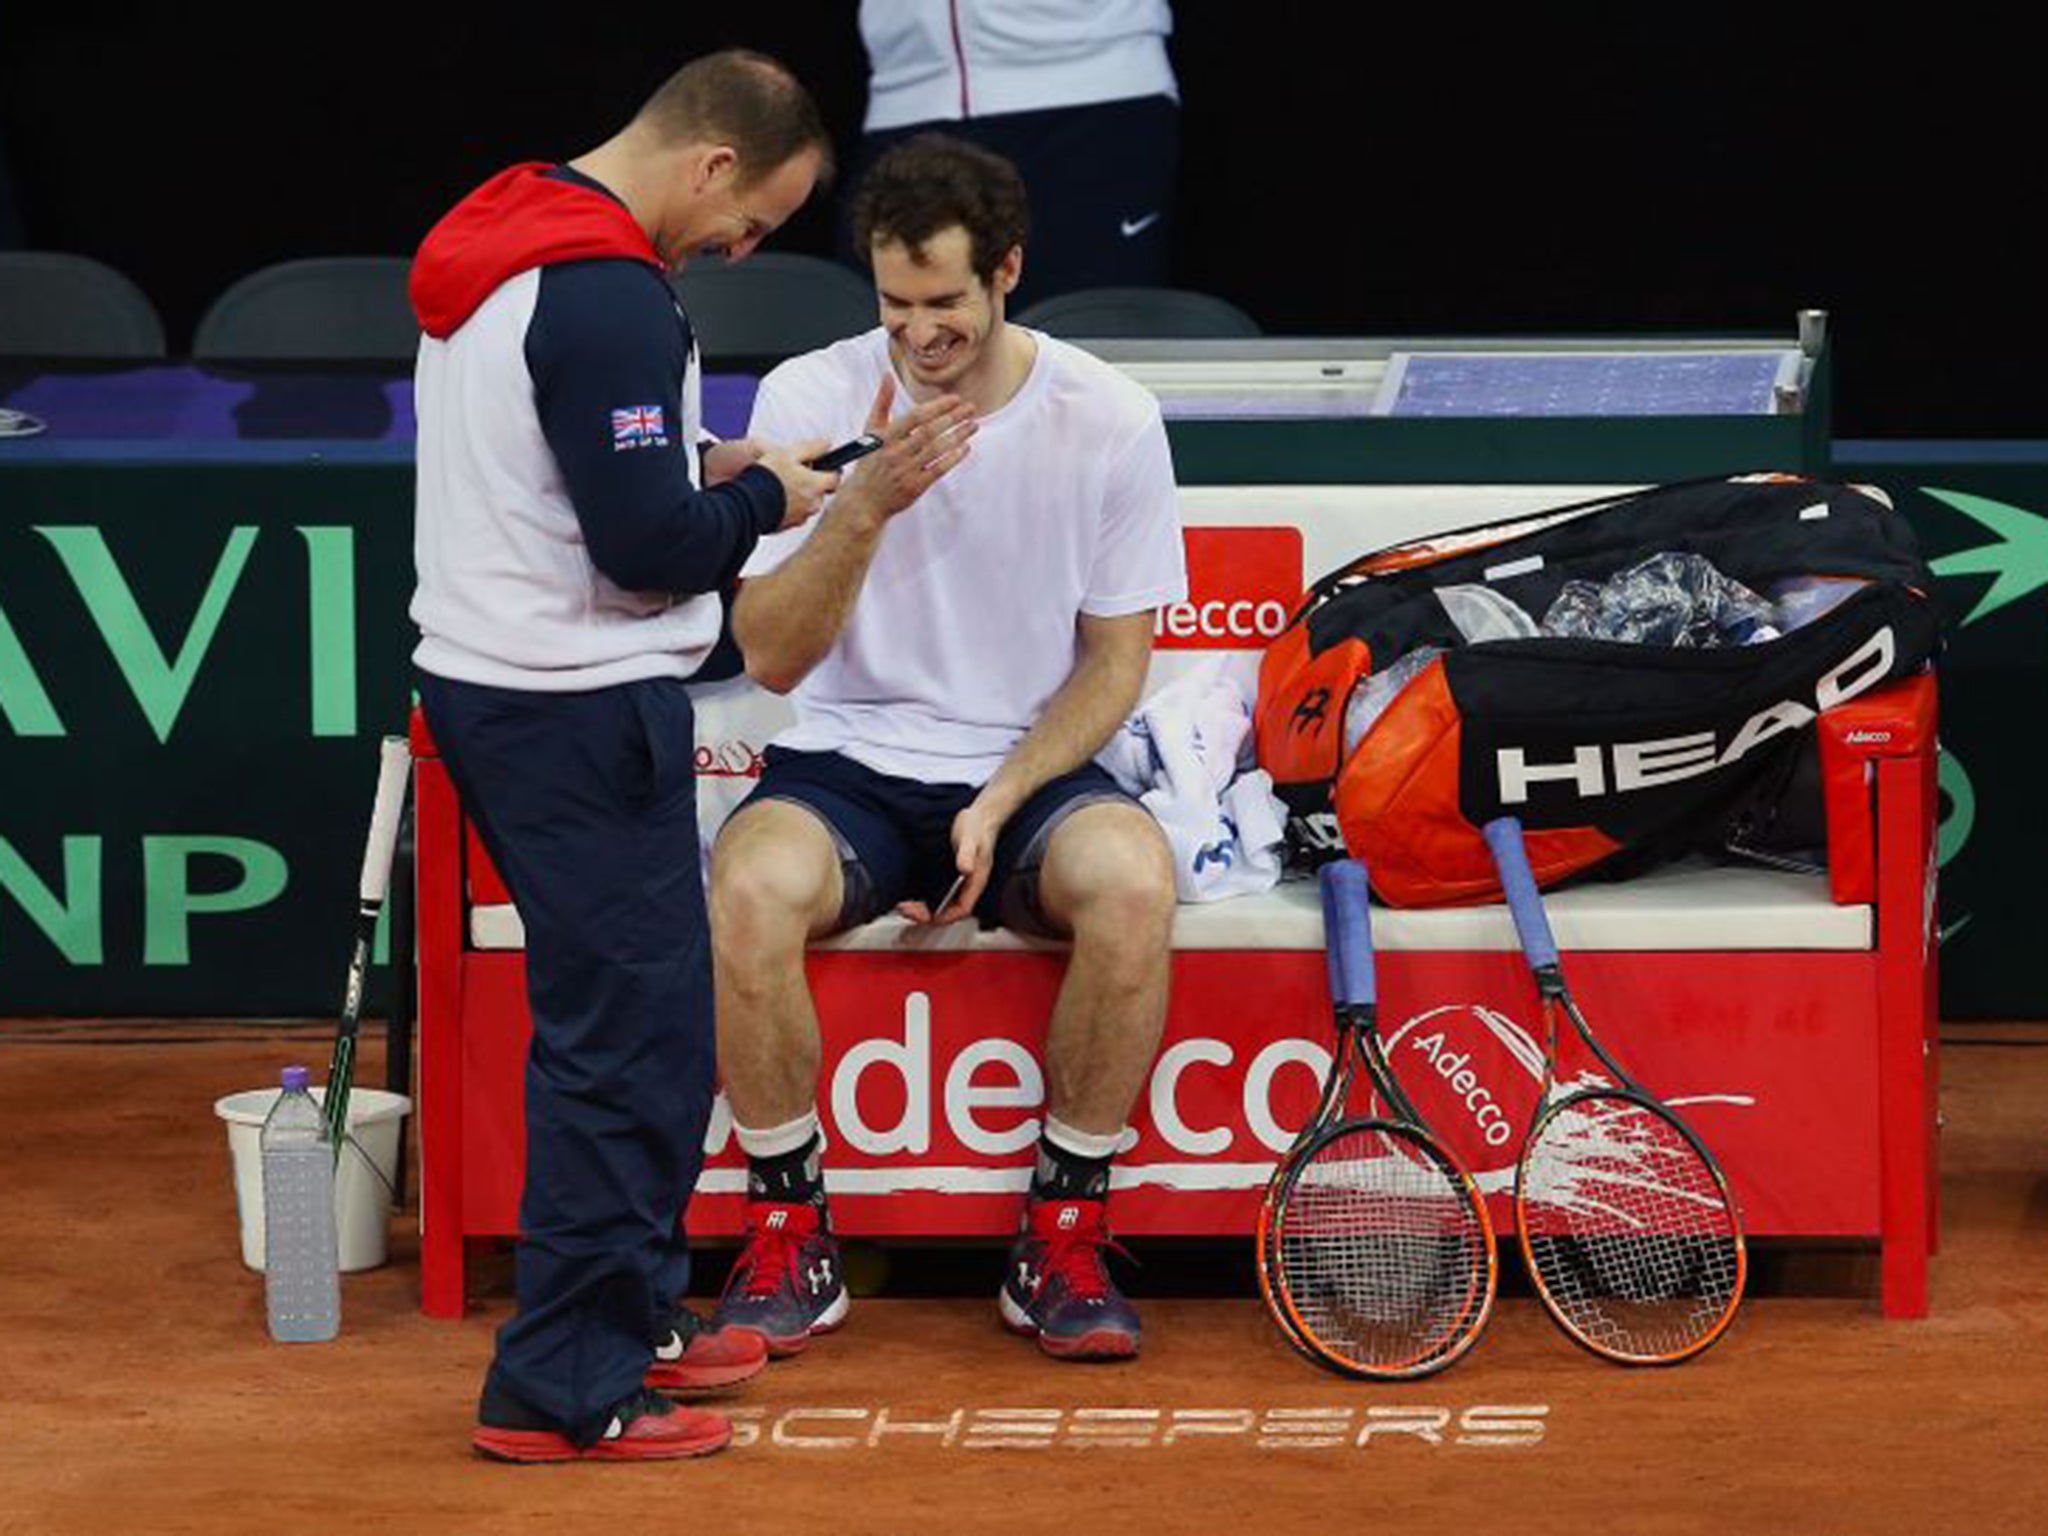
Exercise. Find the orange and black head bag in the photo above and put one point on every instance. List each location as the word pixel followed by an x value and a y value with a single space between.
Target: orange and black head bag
pixel 1600 747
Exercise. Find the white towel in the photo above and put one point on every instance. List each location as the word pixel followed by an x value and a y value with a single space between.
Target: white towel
pixel 1184 756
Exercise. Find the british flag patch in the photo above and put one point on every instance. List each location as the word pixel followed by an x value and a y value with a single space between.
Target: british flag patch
pixel 638 426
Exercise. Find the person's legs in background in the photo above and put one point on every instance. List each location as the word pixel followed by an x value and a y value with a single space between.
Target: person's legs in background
pixel 1102 180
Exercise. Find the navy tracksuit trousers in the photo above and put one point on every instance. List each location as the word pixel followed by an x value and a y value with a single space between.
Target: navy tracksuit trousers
pixel 587 804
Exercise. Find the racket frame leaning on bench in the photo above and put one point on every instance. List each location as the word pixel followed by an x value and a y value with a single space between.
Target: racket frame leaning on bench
pixel 1580 1145
pixel 1467 1270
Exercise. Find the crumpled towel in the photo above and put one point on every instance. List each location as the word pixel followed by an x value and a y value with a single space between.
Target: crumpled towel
pixel 1185 756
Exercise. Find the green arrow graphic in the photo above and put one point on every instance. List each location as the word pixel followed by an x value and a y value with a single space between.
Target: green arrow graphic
pixel 1957 821
pixel 2019 560
pixel 1959 817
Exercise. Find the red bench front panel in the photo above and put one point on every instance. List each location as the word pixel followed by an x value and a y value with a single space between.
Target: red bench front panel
pixel 931 1080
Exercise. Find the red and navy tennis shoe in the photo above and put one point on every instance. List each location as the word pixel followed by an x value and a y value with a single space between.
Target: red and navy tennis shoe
pixel 644 1427
pixel 1059 1289
pixel 694 1358
pixel 788 1283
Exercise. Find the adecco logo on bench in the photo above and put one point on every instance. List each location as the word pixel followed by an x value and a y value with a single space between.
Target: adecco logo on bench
pixel 925 1109
pixel 1242 584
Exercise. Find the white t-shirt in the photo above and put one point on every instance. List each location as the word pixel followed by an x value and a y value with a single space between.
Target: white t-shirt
pixel 965 627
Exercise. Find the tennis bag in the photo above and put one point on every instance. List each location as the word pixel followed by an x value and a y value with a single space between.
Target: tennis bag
pixel 1613 754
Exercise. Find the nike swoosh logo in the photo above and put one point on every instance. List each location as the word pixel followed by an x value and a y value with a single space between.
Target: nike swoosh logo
pixel 1133 227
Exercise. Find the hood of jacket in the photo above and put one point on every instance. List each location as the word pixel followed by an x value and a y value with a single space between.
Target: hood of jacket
pixel 519 219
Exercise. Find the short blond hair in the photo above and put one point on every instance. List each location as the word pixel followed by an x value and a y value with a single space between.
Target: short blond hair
pixel 744 99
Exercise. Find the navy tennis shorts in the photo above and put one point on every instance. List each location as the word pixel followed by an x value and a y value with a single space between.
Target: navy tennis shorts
pixel 895 836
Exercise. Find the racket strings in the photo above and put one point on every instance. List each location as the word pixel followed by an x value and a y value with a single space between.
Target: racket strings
pixel 1382 1252
pixel 1628 1230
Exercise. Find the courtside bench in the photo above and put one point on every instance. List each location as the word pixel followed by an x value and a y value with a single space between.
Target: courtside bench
pixel 1791 1017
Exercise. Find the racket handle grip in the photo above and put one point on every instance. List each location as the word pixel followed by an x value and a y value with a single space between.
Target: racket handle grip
pixel 394 764
pixel 1518 882
pixel 1347 933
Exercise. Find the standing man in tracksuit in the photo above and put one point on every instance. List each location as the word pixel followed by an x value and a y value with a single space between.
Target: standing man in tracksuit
pixel 575 529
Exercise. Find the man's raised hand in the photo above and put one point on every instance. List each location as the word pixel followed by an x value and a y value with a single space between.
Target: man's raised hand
pixel 918 449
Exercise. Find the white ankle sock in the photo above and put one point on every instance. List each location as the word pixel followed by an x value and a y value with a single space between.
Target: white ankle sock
pixel 1080 1143
pixel 776 1140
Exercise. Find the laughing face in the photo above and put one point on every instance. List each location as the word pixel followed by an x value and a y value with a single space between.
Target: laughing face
pixel 943 321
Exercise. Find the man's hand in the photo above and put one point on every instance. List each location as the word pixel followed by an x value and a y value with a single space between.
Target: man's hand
pixel 803 489
pixel 916 452
pixel 787 620
pixel 724 460
pixel 974 851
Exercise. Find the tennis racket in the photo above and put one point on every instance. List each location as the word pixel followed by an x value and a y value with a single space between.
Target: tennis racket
pixel 394 764
pixel 1376 1255
pixel 1627 1223
pixel 1330 1107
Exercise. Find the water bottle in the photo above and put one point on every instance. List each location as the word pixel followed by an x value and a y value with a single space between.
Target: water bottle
pixel 301 1252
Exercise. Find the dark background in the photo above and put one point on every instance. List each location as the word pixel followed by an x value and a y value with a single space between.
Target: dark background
pixel 1347 169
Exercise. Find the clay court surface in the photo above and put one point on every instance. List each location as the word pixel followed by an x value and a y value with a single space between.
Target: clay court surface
pixel 141 1393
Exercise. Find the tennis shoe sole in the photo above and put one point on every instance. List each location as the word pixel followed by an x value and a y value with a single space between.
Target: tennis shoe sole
pixel 1096 1344
pixel 649 1439
pixel 784 1346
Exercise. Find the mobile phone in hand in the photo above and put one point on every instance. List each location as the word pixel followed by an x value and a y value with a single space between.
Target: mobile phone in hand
pixel 838 458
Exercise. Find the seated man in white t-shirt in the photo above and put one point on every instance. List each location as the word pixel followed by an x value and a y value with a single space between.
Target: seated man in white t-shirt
pixel 955 667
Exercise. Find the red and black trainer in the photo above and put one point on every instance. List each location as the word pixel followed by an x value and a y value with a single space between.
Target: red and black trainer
pixel 787 1283
pixel 694 1358
pixel 1059 1290
pixel 645 1427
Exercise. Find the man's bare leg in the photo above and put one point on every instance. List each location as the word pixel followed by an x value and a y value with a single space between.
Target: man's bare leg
pixel 775 883
pixel 1107 880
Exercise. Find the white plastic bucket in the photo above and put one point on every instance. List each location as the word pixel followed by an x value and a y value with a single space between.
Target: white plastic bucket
pixel 363 1181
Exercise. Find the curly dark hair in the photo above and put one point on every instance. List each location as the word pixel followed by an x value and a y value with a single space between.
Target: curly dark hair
pixel 928 184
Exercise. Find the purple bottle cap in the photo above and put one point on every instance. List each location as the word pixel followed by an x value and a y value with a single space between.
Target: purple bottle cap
pixel 294 1079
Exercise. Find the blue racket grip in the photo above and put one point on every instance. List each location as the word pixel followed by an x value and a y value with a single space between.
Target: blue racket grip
pixel 1347 933
pixel 1504 837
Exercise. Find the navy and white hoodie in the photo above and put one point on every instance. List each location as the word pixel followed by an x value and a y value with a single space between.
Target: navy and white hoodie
pixel 562 539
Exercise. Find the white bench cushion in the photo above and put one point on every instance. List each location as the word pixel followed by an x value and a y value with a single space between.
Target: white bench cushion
pixel 1681 907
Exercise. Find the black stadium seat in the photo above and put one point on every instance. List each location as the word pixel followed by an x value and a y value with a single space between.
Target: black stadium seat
pixel 330 309
pixel 773 305
pixel 57 306
pixel 1146 313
